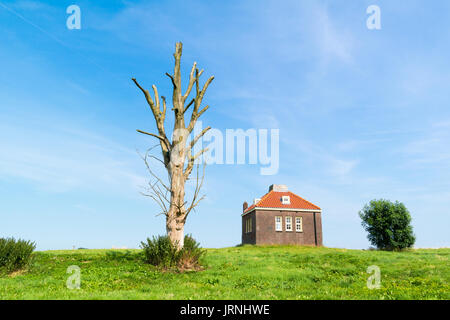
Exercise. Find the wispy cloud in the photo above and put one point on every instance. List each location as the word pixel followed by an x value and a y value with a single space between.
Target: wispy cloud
pixel 341 167
pixel 63 159
pixel 334 43
pixel 430 148
pixel 361 114
pixel 30 5
pixel 331 164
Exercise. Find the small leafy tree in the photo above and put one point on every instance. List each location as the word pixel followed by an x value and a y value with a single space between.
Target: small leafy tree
pixel 388 224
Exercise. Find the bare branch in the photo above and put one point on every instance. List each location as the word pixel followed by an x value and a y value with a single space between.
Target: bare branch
pixel 156 158
pixel 191 161
pixel 198 100
pixel 200 153
pixel 195 200
pixel 202 111
pixel 201 134
pixel 164 108
pixel 207 83
pixel 156 136
pixel 189 104
pixel 146 94
pixel 171 78
pixel 151 171
pixel 157 199
pixel 151 134
pixel 155 90
pixel 191 82
pixel 157 190
pixel 159 119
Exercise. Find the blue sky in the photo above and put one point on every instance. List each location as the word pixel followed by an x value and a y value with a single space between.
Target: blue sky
pixel 362 114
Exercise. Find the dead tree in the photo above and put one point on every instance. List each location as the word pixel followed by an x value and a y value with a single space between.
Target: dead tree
pixel 177 155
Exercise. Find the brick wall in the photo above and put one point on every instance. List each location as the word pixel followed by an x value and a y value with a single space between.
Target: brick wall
pixel 249 238
pixel 266 234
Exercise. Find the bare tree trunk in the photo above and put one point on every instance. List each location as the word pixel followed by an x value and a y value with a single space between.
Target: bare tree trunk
pixel 176 152
pixel 175 219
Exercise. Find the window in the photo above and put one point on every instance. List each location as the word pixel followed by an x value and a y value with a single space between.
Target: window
pixel 278 226
pixel 298 224
pixel 285 200
pixel 248 225
pixel 288 223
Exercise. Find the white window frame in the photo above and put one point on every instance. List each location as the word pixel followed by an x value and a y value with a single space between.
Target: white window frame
pixel 288 224
pixel 285 200
pixel 299 223
pixel 279 224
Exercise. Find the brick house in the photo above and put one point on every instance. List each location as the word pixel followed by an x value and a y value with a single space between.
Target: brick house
pixel 281 217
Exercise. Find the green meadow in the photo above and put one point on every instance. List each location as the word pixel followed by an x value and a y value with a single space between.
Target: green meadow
pixel 247 272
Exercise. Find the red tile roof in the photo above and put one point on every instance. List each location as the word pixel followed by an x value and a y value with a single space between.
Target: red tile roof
pixel 273 200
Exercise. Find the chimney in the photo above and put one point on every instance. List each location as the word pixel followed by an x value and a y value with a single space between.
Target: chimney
pixel 278 188
pixel 244 206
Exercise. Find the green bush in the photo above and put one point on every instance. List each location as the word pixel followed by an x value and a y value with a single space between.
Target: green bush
pixel 388 225
pixel 15 254
pixel 160 252
pixel 190 254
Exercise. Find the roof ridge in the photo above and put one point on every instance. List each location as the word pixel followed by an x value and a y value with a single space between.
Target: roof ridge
pixel 305 200
pixel 263 197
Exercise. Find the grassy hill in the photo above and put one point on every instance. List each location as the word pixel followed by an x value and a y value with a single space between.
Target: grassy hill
pixel 246 272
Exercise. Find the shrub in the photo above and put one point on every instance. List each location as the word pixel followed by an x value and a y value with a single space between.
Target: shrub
pixel 160 252
pixel 190 254
pixel 15 254
pixel 388 225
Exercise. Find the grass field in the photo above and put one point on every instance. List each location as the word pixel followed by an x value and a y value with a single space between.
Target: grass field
pixel 246 272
